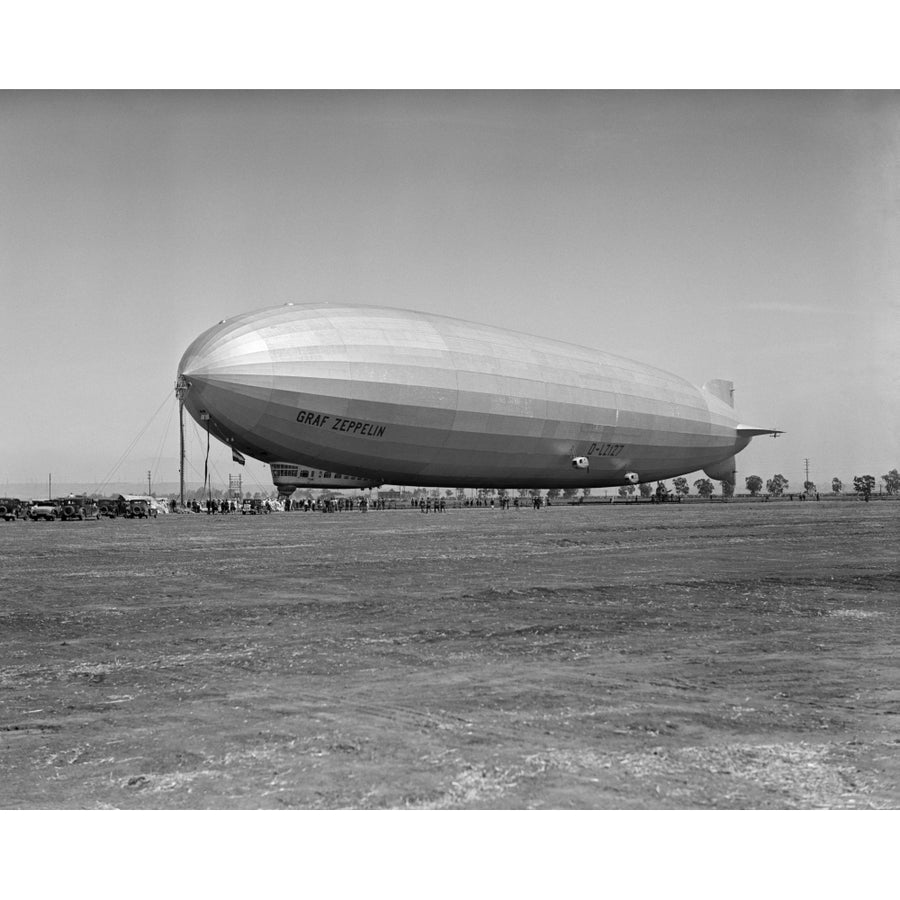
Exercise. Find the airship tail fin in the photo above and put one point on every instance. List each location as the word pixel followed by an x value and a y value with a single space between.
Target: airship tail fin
pixel 726 470
pixel 721 389
pixel 753 431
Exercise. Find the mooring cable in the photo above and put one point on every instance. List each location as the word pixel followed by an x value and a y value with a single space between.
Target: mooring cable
pixel 102 484
pixel 163 440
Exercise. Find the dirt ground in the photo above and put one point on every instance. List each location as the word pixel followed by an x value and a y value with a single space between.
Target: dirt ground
pixel 689 656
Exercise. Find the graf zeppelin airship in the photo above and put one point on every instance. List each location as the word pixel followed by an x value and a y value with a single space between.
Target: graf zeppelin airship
pixel 402 397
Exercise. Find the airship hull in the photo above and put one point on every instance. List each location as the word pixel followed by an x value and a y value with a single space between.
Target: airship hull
pixel 403 397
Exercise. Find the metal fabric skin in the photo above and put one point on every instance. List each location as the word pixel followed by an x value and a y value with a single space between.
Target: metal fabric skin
pixel 411 398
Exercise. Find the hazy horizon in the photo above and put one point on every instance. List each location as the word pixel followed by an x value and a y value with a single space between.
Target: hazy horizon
pixel 751 236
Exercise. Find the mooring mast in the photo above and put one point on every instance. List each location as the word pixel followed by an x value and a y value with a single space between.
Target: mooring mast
pixel 181 388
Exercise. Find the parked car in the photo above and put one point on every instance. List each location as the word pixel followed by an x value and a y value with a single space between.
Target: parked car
pixel 80 507
pixel 140 506
pixel 110 507
pixel 137 509
pixel 254 508
pixel 11 508
pixel 43 509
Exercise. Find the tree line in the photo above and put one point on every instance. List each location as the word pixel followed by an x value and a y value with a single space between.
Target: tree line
pixel 776 486
pixel 863 485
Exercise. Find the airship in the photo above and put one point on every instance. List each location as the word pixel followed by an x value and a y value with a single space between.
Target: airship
pixel 404 397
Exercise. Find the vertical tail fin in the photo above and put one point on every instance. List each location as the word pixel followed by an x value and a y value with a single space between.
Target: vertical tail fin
pixel 721 389
pixel 726 470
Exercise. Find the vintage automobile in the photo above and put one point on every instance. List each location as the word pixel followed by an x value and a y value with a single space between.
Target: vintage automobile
pixel 11 508
pixel 139 508
pixel 43 509
pixel 110 507
pixel 77 507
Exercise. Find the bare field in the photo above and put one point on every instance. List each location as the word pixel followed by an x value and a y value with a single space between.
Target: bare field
pixel 656 657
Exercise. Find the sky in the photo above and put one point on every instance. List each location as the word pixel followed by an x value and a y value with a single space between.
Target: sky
pixel 746 235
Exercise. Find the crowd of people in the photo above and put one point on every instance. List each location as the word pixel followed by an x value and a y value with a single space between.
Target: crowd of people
pixel 334 504
pixel 504 501
pixel 360 503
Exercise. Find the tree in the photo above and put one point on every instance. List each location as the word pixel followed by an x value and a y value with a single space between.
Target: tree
pixel 891 481
pixel 837 486
pixel 681 486
pixel 754 484
pixel 727 488
pixel 864 485
pixel 704 487
pixel 809 487
pixel 645 488
pixel 626 490
pixel 777 485
pixel 553 494
pixel 586 492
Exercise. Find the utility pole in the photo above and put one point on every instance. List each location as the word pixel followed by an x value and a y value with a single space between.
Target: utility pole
pixel 806 461
pixel 148 482
pixel 50 486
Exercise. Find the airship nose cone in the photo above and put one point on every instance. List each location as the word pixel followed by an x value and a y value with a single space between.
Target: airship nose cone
pixel 225 373
pixel 218 350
